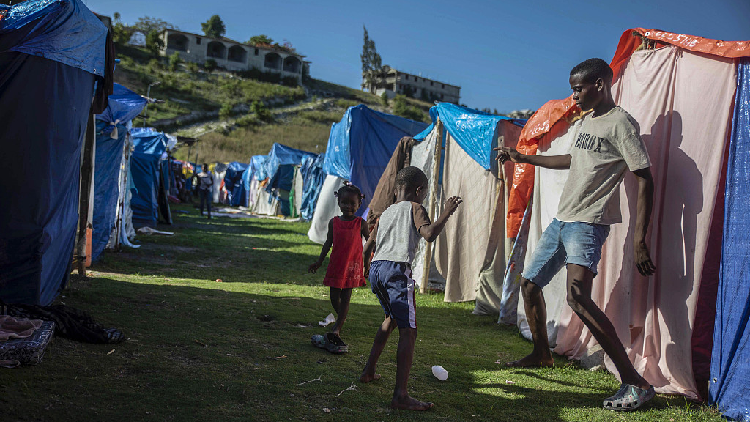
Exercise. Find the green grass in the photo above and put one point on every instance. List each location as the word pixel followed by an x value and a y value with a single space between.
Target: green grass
pixel 200 349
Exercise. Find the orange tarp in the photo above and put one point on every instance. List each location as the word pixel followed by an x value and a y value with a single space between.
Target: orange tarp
pixel 553 111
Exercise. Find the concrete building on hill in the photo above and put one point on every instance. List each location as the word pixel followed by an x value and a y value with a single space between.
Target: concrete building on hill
pixel 233 55
pixel 402 83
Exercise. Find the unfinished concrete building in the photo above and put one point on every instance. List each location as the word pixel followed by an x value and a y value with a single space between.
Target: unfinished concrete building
pixel 233 55
pixel 394 82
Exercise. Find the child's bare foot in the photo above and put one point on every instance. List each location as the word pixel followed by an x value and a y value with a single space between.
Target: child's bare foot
pixel 531 361
pixel 408 403
pixel 369 377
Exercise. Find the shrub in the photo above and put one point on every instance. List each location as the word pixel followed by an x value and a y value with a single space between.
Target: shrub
pixel 174 61
pixel 262 112
pixel 210 65
pixel 246 121
pixel 154 65
pixel 192 67
pixel 384 98
pixel 400 108
pixel 225 112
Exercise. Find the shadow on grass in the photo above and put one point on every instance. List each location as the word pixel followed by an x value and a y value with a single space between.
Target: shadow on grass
pixel 203 352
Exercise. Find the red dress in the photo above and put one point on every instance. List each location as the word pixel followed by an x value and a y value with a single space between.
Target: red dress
pixel 345 268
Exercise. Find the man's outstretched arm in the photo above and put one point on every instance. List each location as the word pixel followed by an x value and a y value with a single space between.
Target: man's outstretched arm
pixel 642 219
pixel 548 161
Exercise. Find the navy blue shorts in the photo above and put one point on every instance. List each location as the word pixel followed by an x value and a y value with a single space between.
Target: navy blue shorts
pixel 392 284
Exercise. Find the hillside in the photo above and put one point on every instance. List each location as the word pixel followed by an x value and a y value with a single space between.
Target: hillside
pixel 234 117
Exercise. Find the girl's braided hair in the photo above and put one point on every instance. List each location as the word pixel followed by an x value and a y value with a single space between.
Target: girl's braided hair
pixel 349 188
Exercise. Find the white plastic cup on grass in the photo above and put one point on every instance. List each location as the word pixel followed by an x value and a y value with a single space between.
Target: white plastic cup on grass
pixel 440 373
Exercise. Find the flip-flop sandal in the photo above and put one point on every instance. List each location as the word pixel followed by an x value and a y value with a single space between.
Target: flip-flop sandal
pixel 318 341
pixel 335 345
pixel 629 397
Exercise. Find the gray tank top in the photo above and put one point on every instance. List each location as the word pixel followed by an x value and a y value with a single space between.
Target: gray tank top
pixel 397 236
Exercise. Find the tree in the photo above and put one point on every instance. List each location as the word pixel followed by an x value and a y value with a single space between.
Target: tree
pixel 260 39
pixel 148 24
pixel 214 27
pixel 372 64
pixel 384 98
pixel 154 43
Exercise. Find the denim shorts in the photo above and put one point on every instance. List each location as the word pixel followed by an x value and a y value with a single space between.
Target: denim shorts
pixel 565 243
pixel 392 284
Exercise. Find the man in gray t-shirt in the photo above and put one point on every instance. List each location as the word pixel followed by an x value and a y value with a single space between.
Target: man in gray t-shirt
pixel 607 144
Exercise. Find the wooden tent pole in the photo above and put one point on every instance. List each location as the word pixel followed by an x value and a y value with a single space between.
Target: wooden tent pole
pixel 86 183
pixel 433 204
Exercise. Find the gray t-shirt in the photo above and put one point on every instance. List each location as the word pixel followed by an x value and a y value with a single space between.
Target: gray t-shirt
pixel 604 148
pixel 398 232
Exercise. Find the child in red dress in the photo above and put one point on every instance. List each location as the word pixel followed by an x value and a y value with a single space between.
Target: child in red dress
pixel 345 269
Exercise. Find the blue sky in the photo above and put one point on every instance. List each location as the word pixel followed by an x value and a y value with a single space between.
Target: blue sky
pixel 504 55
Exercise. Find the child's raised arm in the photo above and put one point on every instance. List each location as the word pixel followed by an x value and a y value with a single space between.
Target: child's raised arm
pixel 326 247
pixel 431 231
pixel 369 248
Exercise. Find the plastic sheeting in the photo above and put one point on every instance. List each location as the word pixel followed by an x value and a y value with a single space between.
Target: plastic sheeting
pixel 361 144
pixel 64 31
pixel 108 159
pixel 313 177
pixel 42 155
pixel 123 106
pixel 145 166
pixel 730 365
pixel 546 117
pixel 326 208
pixel 473 130
pixel 233 183
pixel 670 92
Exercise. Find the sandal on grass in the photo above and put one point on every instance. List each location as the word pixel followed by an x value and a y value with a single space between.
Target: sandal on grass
pixel 335 345
pixel 318 341
pixel 629 397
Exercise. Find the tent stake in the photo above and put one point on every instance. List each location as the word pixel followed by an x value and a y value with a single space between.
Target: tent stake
pixel 433 204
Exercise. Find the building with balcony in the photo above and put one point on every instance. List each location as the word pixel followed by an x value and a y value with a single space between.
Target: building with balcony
pixel 394 82
pixel 233 55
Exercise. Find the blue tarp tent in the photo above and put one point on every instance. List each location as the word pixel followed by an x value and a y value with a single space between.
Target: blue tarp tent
pixel 233 183
pixel 361 144
pixel 257 169
pixel 473 130
pixel 145 166
pixel 280 168
pixel 123 106
pixel 313 177
pixel 50 54
pixel 730 360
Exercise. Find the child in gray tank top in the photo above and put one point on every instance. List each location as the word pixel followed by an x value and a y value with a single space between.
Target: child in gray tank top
pixel 396 235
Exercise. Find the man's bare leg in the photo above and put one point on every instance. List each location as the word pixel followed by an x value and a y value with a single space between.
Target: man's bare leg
pixel 580 280
pixel 407 337
pixel 536 316
pixel 381 338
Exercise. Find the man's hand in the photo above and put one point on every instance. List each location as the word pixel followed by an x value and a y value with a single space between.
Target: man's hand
pixel 452 203
pixel 367 270
pixel 314 267
pixel 643 259
pixel 505 153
